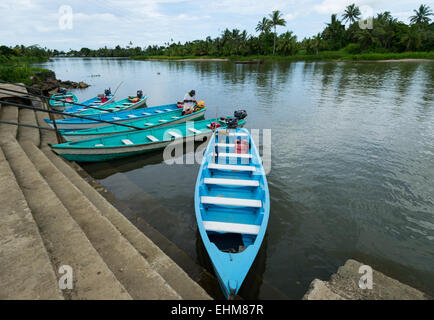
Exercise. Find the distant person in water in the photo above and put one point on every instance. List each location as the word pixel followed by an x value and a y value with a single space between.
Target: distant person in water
pixel 189 101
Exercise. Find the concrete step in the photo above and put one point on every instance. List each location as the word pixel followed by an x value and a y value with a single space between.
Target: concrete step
pixel 8 113
pixel 129 266
pixel 165 266
pixel 344 285
pixel 46 136
pixel 66 243
pixel 21 242
pixel 28 116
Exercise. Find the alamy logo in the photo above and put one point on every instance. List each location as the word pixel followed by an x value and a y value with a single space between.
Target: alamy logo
pixel 65 17
pixel 367 20
pixel 65 281
pixel 366 280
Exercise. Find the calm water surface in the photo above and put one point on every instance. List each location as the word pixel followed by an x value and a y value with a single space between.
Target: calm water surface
pixel 352 162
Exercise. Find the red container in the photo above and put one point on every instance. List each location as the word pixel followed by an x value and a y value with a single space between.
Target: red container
pixel 180 106
pixel 104 99
pixel 242 146
pixel 214 125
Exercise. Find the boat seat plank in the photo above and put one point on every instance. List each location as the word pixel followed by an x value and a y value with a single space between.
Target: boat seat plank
pixel 99 145
pixel 238 134
pixel 131 116
pixel 159 111
pixel 234 155
pixel 152 138
pixel 231 227
pixel 237 202
pixel 116 118
pixel 232 182
pixel 149 124
pixel 175 117
pixel 218 166
pixel 194 130
pixel 168 109
pixel 174 134
pixel 127 141
pixel 225 145
pixel 162 120
pixel 146 114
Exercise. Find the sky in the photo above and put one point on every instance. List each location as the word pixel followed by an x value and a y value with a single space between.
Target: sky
pixel 99 23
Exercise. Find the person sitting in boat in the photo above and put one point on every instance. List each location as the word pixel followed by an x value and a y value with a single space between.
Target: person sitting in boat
pixel 189 101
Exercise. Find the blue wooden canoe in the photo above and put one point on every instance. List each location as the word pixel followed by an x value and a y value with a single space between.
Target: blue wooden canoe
pixel 116 117
pixel 159 120
pixel 93 102
pixel 232 205
pixel 133 143
pixel 61 101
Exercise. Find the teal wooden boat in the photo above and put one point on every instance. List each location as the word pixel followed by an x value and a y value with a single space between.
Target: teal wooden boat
pixel 115 117
pixel 132 143
pixel 98 102
pixel 232 205
pixel 62 100
pixel 122 105
pixel 159 120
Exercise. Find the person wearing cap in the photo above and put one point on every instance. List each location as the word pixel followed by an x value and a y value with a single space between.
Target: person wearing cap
pixel 189 101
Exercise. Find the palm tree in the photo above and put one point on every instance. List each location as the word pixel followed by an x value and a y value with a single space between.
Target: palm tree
pixel 422 15
pixel 352 13
pixel 276 20
pixel 263 26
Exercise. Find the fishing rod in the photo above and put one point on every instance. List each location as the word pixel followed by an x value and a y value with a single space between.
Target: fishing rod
pixel 48 98
pixel 62 113
pixel 114 94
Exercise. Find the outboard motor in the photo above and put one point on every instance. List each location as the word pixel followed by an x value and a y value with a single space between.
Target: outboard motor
pixel 62 90
pixel 139 94
pixel 108 92
pixel 232 123
pixel 240 114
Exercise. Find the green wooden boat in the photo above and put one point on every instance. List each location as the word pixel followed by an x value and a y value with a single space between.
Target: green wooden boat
pixel 62 100
pixel 159 120
pixel 133 143
pixel 122 105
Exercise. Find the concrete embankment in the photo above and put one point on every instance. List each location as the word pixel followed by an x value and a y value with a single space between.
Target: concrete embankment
pixel 344 285
pixel 51 217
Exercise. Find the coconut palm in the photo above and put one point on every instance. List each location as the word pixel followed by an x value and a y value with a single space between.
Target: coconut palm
pixel 276 20
pixel 263 26
pixel 351 14
pixel 421 16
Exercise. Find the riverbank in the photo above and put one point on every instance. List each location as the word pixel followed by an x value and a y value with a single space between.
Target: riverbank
pixel 52 218
pixel 21 70
pixel 321 56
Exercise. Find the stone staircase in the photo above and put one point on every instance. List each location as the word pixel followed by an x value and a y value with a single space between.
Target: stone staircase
pixel 51 217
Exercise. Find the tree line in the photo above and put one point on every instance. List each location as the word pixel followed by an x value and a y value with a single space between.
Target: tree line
pixel 388 35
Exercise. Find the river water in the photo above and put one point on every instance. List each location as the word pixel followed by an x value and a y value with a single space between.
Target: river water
pixel 352 162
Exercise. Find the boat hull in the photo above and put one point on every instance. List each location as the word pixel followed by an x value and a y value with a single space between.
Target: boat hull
pixel 232 209
pixel 110 153
pixel 71 124
pixel 192 117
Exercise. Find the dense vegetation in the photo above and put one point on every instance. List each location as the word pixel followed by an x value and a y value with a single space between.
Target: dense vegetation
pixel 341 38
pixel 15 62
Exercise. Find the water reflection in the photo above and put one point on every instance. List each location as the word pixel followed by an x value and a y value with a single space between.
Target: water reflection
pixel 352 160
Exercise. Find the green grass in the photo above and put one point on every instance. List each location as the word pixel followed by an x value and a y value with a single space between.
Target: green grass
pixel 15 69
pixel 340 55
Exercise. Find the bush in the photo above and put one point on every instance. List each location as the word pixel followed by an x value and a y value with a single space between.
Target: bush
pixel 353 48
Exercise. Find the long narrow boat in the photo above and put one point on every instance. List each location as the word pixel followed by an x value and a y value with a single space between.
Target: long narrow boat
pixel 122 105
pixel 98 101
pixel 159 120
pixel 232 205
pixel 115 117
pixel 132 143
pixel 62 100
